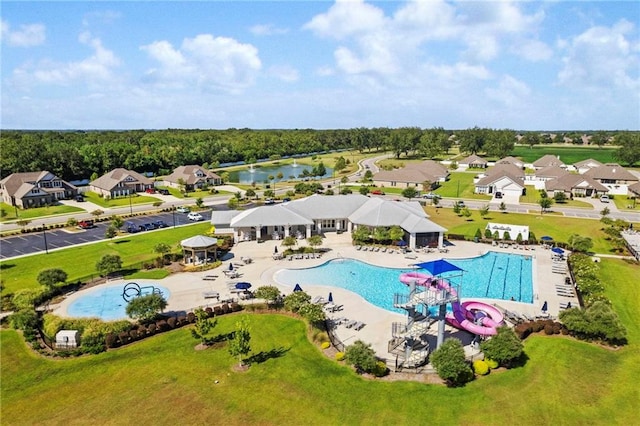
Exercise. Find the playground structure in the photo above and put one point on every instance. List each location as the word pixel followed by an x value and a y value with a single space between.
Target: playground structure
pixel 427 291
pixel 133 290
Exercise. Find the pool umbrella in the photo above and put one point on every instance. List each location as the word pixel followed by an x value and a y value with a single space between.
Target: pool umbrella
pixel 275 250
pixel 557 250
pixel 230 266
pixel 569 305
pixel 546 238
pixel 330 299
pixel 297 288
pixel 545 306
pixel 243 285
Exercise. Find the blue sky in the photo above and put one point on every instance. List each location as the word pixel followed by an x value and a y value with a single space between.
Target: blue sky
pixel 257 64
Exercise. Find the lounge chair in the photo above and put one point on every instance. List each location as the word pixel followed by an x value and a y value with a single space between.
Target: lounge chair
pixel 351 323
pixel 211 295
pixel 376 249
pixel 318 300
pixel 365 248
pixel 358 247
pixel 384 250
pixel 359 326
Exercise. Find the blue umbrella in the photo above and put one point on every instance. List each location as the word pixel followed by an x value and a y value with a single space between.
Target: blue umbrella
pixel 569 305
pixel 546 238
pixel 544 306
pixel 230 266
pixel 402 243
pixel 297 288
pixel 557 250
pixel 243 285
pixel 330 297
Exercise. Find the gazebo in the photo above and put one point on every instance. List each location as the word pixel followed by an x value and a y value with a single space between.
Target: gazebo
pixel 197 249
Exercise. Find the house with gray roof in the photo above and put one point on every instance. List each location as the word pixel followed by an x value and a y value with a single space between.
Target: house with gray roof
pixel 318 214
pixel 511 160
pixel 548 161
pixel 615 177
pixel 192 177
pixel 119 183
pixel 473 162
pixel 586 165
pixel 506 178
pixel 418 175
pixel 35 189
pixel 574 185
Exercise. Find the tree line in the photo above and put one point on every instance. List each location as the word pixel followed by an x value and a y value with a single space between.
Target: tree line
pixel 81 154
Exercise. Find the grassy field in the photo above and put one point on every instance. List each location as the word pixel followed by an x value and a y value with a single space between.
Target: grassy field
pixel 163 380
pixel 460 185
pixel 558 227
pixel 533 197
pixel 119 202
pixel 568 154
pixel 38 212
pixel 79 261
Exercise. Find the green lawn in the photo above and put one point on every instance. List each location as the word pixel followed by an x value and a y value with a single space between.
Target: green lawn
pixel 460 185
pixel 79 261
pixel 121 201
pixel 558 227
pixel 38 212
pixel 163 380
pixel 533 197
pixel 568 154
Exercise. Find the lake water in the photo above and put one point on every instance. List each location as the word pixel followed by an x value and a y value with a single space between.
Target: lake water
pixel 261 174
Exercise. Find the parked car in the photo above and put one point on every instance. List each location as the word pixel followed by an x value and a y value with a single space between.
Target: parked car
pixel 147 227
pixel 86 224
pixel 131 227
pixel 605 198
pixel 160 224
pixel 150 190
pixel 196 217
pixel 163 191
pixel 498 194
pixel 461 204
pixel 80 198
pixel 183 209
pixel 377 192
pixel 286 199
pixel 269 201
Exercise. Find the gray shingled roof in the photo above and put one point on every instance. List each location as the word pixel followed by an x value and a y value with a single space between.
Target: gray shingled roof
pixel 570 181
pixel 188 173
pixel 473 159
pixel 269 216
pixel 611 171
pixel 547 160
pixel 551 172
pixel 315 206
pixel 109 180
pixel 199 241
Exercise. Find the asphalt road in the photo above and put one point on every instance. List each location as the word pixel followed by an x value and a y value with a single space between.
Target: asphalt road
pixel 57 238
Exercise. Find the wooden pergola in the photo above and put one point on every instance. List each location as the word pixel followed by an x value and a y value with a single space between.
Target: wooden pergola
pixel 197 249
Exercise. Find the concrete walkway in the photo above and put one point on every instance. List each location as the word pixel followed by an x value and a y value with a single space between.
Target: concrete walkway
pixel 187 289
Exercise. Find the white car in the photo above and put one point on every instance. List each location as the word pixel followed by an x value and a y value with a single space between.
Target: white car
pixel 605 198
pixel 196 217
pixel 183 209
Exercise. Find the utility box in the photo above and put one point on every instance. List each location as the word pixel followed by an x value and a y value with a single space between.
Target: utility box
pixel 67 339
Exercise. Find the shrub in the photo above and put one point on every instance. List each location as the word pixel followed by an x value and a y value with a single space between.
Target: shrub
pixel 235 307
pixel 537 326
pixel 171 322
pixel 111 341
pixel 548 330
pixel 491 363
pixel 480 367
pixel 340 356
pixel 450 363
pixel 151 328
pixel 209 311
pixel 505 347
pixel 217 310
pixel 124 337
pixel 522 330
pixel 134 335
pixel 162 326
pixel 361 356
pixel 182 320
pixel 226 309
pixel 24 319
pixel 380 369
pixel 142 331
pixel 325 345
pixel 191 317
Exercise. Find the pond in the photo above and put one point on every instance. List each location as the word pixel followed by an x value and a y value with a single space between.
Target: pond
pixel 260 174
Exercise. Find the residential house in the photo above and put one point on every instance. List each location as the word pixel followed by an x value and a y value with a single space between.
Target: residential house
pixel 35 189
pixel 547 161
pixel 318 214
pixel 506 178
pixel 473 162
pixel 615 177
pixel 511 160
pixel 119 183
pixel 193 177
pixel 541 176
pixel 574 185
pixel 426 173
pixel 586 165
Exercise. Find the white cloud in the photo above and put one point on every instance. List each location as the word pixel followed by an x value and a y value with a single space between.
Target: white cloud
pixel 285 73
pixel 267 30
pixel 510 91
pixel 27 36
pixel 533 50
pixel 347 18
pixel 602 57
pixel 94 70
pixel 205 61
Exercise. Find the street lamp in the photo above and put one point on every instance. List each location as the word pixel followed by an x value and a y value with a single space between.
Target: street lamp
pixel 173 214
pixel 44 234
pixel 130 206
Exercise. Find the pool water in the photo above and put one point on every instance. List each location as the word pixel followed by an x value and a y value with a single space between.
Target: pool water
pixel 492 275
pixel 107 303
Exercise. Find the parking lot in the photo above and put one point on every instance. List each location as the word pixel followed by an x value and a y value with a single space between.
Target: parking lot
pixel 51 239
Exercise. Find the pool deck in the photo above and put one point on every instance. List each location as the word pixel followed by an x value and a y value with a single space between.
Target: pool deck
pixel 188 288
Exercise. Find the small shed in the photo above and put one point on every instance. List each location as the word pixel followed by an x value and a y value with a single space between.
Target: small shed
pixel 67 339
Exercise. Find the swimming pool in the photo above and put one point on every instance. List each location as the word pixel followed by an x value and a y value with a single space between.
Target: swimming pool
pixel 107 303
pixel 492 275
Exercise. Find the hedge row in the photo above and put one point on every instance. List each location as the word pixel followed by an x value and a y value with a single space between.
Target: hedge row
pixel 549 327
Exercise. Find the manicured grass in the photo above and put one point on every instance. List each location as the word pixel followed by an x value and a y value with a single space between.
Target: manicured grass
pixel 460 185
pixel 568 154
pixel 532 196
pixel 558 227
pixel 79 261
pixel 34 213
pixel 626 204
pixel 121 201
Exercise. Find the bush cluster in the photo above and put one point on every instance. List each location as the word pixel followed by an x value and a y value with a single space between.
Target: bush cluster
pixel 480 367
pixel 523 330
pixel 596 322
pixel 585 272
pixel 340 356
